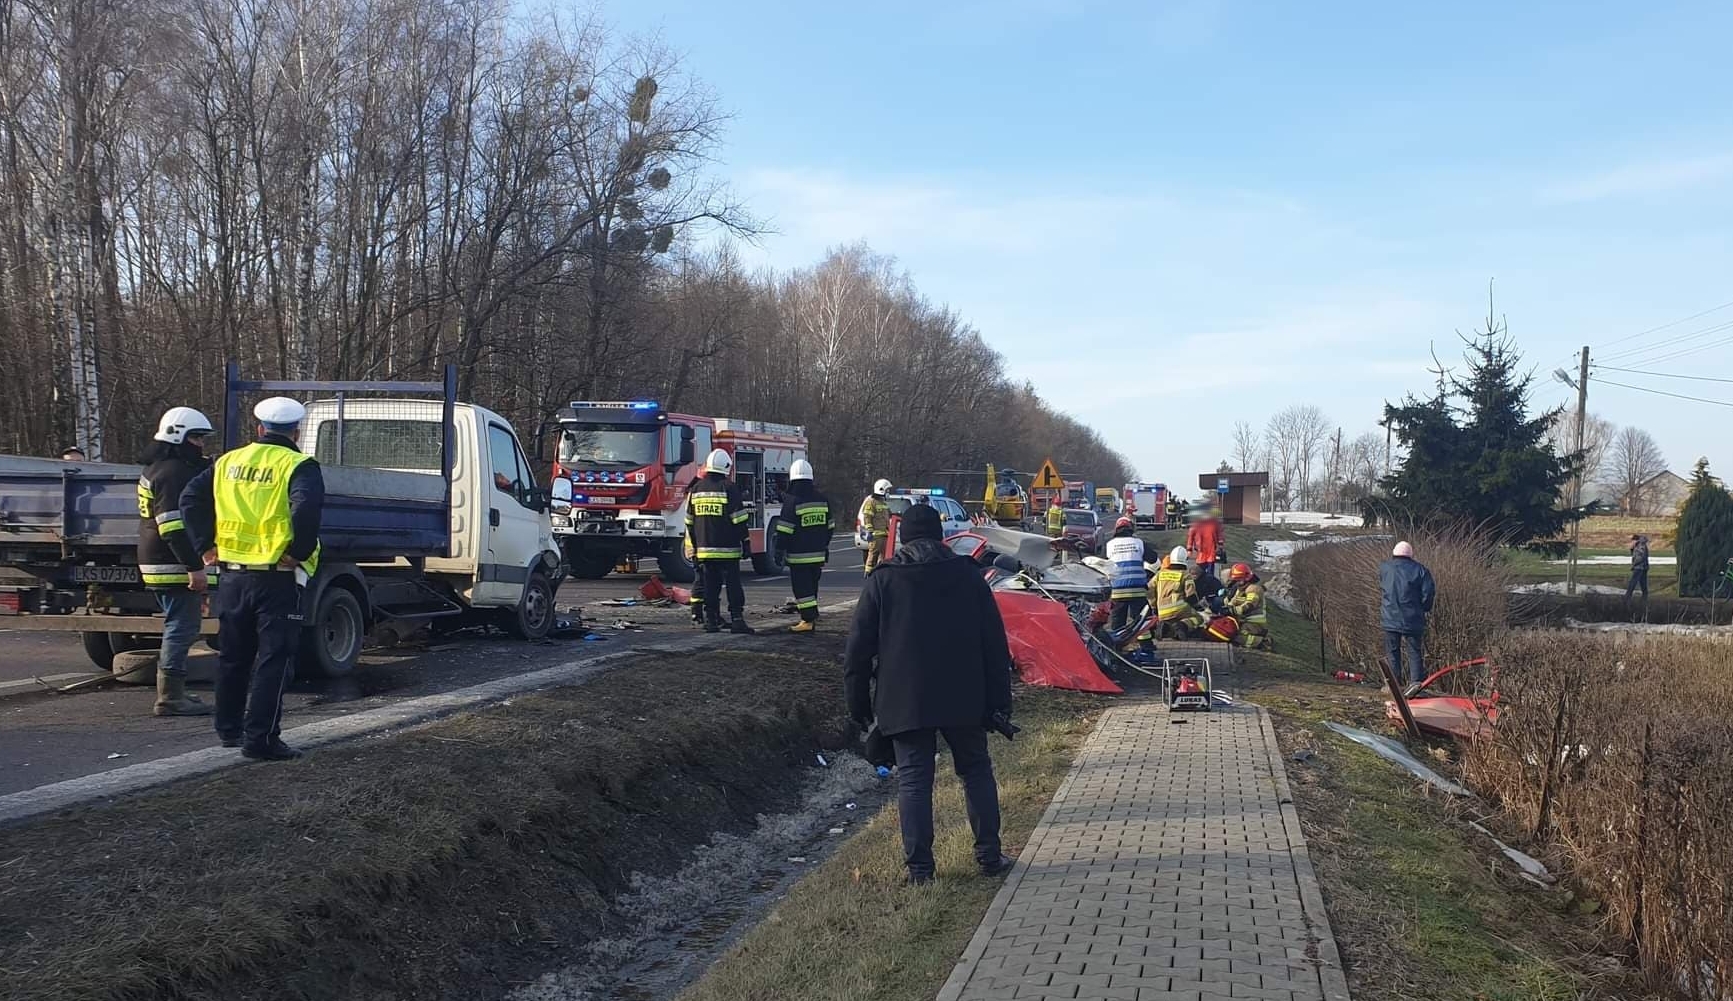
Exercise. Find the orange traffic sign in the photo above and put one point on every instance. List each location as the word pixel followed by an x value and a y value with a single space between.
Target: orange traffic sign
pixel 1048 478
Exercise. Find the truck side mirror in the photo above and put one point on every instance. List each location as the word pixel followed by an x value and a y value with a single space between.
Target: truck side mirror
pixel 688 448
pixel 560 493
pixel 545 443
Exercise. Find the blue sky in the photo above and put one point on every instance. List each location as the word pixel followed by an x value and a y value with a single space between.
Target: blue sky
pixel 1179 214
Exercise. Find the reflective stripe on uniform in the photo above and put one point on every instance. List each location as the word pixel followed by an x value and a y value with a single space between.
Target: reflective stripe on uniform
pixel 784 528
pixel 742 516
pixel 719 553
pixel 804 603
pixel 804 559
pixel 163 573
pixel 252 501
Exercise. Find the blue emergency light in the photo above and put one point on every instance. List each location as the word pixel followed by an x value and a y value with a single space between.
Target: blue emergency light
pixel 615 405
pixel 938 492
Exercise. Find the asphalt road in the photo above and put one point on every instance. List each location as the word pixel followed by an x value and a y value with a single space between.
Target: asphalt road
pixel 47 737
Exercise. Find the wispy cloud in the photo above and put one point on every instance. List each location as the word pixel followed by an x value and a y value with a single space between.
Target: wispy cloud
pixel 1647 178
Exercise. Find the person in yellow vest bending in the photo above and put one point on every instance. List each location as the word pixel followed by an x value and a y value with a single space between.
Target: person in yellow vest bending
pixel 256 514
pixel 1178 618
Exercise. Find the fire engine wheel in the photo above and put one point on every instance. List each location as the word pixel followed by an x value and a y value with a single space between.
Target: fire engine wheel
pixel 770 562
pixel 593 566
pixel 675 567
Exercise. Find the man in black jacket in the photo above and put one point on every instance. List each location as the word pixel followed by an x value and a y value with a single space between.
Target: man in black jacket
pixel 928 631
pixel 805 528
pixel 168 562
pixel 718 534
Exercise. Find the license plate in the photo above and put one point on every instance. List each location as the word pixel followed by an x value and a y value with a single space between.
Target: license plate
pixel 105 575
pixel 602 500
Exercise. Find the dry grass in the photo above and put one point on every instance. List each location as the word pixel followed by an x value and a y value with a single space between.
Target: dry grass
pixel 445 862
pixel 1336 584
pixel 1614 531
pixel 851 930
pixel 1619 759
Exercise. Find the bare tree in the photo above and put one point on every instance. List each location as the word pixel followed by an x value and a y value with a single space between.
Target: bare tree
pixel 1598 435
pixel 1633 461
pixel 1248 446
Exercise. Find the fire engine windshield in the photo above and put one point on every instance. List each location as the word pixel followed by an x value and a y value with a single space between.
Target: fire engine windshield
pixel 594 447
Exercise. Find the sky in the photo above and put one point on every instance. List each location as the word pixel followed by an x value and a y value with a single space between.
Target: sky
pixel 1176 214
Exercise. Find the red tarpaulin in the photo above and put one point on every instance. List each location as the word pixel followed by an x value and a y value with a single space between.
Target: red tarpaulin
pixel 1045 645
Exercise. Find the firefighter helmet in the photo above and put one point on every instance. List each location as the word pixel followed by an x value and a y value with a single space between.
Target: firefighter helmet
pixel 881 488
pixel 178 422
pixel 718 461
pixel 801 470
pixel 1239 572
pixel 1179 557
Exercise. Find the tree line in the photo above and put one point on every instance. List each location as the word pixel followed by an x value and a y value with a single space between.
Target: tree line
pixel 339 189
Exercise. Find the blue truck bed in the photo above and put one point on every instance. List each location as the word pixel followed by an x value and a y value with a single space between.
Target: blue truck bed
pixel 52 510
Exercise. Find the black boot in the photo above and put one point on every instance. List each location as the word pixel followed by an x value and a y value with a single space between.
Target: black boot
pixel 740 628
pixel 273 750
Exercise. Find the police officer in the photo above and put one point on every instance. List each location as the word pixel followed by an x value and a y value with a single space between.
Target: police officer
pixel 805 527
pixel 716 530
pixel 259 506
pixel 168 562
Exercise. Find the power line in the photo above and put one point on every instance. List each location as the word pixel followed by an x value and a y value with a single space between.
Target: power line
pixel 1679 353
pixel 1663 375
pixel 1668 342
pixel 1662 392
pixel 1664 326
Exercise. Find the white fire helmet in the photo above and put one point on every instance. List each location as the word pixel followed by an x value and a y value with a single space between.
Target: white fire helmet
pixel 718 461
pixel 881 488
pixel 178 422
pixel 1179 556
pixel 801 470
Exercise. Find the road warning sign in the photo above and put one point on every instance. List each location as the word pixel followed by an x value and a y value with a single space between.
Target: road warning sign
pixel 1048 478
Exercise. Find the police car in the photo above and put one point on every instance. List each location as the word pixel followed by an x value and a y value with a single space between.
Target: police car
pixel 952 517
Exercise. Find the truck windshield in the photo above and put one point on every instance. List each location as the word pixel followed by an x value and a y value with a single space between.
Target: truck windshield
pixel 593 447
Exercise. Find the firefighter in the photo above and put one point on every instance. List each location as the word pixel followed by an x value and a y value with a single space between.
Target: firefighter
pixel 1204 540
pixel 804 529
pixel 1130 580
pixel 256 512
pixel 168 562
pixel 1246 603
pixel 1178 617
pixel 716 529
pixel 1055 519
pixel 874 522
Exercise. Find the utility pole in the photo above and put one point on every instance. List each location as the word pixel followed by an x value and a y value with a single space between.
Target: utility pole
pixel 1577 485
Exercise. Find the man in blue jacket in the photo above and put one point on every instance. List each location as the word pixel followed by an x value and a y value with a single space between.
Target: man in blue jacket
pixel 1408 594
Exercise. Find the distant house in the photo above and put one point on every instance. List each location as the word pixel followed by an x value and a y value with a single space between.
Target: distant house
pixel 1660 495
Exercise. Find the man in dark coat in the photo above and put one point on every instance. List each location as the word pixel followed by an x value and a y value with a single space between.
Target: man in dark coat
pixel 1408 595
pixel 1639 568
pixel 928 631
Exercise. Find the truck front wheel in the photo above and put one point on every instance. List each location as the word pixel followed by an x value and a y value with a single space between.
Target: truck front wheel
pixel 534 615
pixel 331 645
pixel 675 567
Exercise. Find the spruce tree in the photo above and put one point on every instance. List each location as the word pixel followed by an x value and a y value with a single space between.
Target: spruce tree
pixel 1474 453
pixel 1704 538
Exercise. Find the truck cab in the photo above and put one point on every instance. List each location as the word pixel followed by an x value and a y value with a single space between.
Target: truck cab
pixel 622 470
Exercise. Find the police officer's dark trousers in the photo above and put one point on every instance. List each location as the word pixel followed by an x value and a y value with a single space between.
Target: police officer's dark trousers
pixel 715 574
pixel 804 577
pixel 259 623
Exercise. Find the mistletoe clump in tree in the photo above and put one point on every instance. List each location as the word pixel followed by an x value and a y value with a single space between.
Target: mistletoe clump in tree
pixel 1474 453
pixel 1704 538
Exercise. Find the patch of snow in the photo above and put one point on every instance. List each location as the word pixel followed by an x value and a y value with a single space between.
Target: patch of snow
pixel 1270 549
pixel 1653 628
pixel 1558 587
pixel 1617 561
pixel 1320 518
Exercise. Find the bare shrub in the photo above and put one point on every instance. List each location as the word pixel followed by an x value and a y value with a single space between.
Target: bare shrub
pixel 1619 759
pixel 1336 584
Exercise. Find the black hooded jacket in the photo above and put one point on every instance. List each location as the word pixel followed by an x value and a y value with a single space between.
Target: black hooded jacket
pixel 166 553
pixel 929 632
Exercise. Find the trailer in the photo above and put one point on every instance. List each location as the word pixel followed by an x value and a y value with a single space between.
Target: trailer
pixel 431 513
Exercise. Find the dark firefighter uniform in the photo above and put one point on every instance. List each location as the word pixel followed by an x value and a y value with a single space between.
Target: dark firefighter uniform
pixel 716 525
pixel 805 529
pixel 167 559
pixel 260 505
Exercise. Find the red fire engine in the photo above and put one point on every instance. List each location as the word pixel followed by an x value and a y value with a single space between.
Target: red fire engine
pixel 621 475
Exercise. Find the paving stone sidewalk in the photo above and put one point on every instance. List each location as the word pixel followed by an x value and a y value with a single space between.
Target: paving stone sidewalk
pixel 1170 865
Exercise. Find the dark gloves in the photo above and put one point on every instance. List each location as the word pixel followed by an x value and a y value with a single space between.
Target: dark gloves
pixel 1000 722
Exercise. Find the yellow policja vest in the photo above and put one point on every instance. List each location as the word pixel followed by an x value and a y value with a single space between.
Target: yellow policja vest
pixel 252 501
